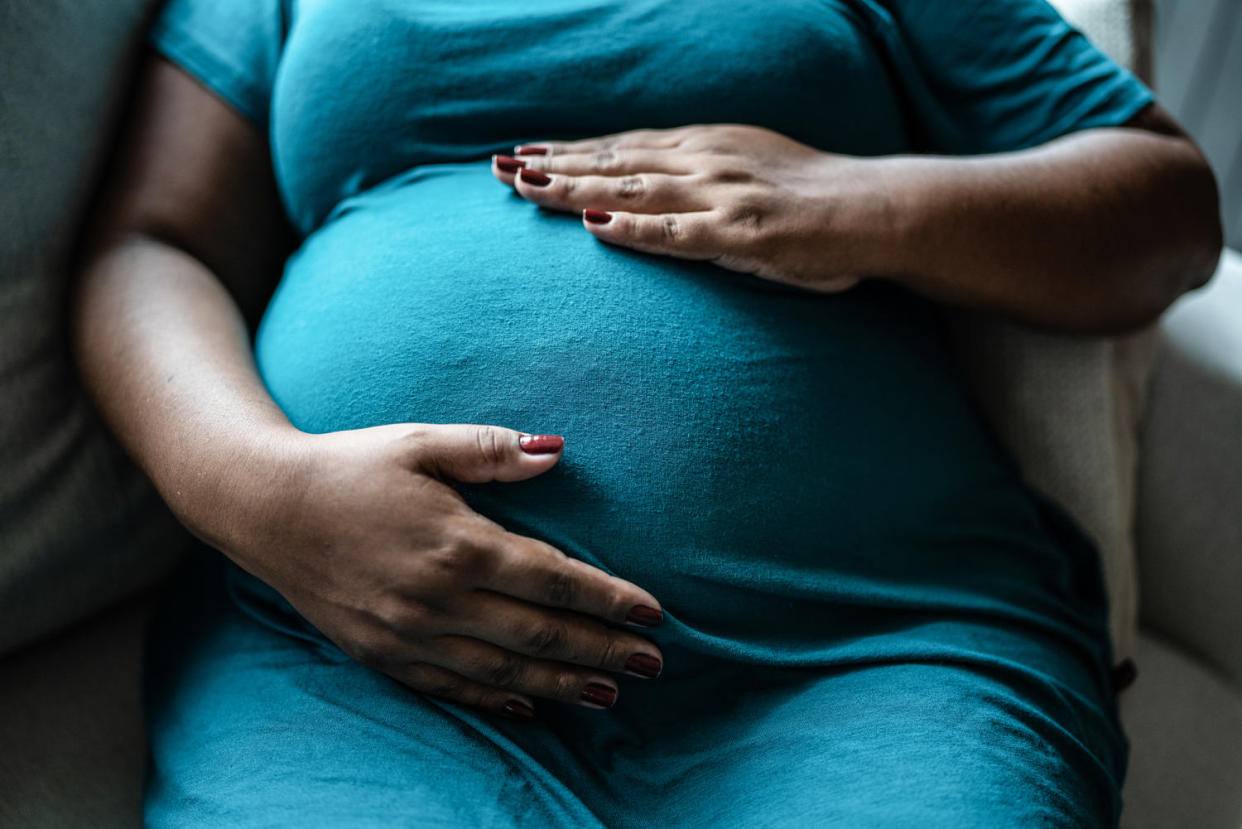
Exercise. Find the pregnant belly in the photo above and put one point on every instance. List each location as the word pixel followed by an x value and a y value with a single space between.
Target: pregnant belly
pixel 743 450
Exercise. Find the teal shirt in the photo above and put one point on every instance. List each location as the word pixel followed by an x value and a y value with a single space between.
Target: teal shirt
pixel 798 477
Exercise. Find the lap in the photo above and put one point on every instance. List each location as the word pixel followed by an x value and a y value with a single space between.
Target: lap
pixel 253 727
pixel 882 746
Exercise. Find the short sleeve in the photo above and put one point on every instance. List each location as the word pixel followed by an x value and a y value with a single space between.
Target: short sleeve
pixel 232 46
pixel 981 76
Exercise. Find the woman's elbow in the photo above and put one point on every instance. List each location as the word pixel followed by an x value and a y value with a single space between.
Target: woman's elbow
pixel 1184 248
pixel 1201 230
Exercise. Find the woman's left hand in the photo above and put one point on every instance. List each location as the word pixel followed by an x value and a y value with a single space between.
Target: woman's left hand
pixel 744 197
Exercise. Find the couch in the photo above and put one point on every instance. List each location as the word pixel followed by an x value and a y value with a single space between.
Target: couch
pixel 72 747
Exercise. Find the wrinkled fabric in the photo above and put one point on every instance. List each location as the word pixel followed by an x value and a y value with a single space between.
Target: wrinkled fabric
pixel 869 619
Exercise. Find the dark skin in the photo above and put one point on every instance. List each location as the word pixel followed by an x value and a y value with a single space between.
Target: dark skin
pixel 1093 233
pixel 362 530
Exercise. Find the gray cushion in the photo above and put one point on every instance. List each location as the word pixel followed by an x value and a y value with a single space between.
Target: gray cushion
pixel 71 725
pixel 79 525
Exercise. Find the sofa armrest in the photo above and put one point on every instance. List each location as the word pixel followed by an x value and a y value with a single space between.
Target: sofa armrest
pixel 1189 500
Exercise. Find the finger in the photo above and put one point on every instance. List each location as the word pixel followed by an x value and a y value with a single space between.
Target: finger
pixel 506 167
pixel 559 635
pixel 604 163
pixel 639 193
pixel 652 138
pixel 526 568
pixel 611 162
pixel 476 453
pixel 690 235
pixel 500 668
pixel 441 682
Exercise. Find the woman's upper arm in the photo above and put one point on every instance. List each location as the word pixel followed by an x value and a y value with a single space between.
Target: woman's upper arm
pixel 191 172
pixel 987 76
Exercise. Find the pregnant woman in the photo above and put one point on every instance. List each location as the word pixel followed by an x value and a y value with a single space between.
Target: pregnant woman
pixel 598 459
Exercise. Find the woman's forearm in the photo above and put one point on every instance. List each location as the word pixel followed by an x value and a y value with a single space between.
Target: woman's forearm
pixel 1097 232
pixel 165 353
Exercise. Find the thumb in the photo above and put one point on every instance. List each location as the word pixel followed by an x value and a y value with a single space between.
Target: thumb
pixel 477 454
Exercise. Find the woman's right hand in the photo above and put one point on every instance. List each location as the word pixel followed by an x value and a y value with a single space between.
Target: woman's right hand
pixel 361 530
pixel 368 540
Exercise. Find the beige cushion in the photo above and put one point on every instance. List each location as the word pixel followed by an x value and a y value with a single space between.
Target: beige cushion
pixel 1185 727
pixel 1068 408
pixel 79 526
pixel 1189 527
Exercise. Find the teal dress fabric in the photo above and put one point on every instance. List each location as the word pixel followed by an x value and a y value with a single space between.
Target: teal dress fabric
pixel 869 619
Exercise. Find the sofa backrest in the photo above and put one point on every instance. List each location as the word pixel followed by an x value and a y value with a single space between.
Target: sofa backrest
pixel 80 527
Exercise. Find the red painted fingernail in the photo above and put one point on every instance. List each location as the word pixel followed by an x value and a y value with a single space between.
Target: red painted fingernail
pixel 534 177
pixel 530 149
pixel 519 710
pixel 641 614
pixel 541 444
pixel 597 217
pixel 598 694
pixel 643 664
pixel 508 164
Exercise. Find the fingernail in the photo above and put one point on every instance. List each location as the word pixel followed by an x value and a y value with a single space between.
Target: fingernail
pixel 598 217
pixel 541 444
pixel 602 695
pixel 530 149
pixel 643 664
pixel 518 709
pixel 534 177
pixel 508 164
pixel 641 614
